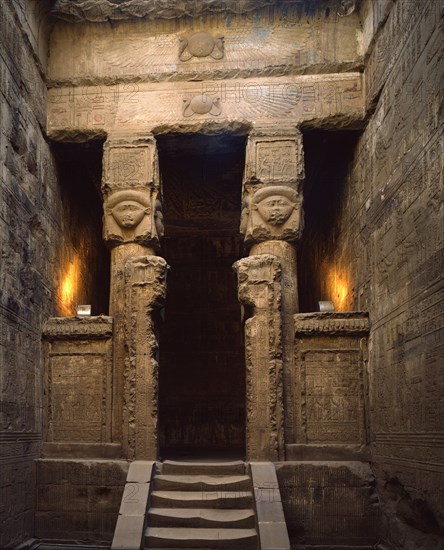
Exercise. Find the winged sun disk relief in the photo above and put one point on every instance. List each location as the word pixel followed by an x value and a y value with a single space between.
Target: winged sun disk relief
pixel 201 44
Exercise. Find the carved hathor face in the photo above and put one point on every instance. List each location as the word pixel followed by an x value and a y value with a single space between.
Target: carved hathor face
pixel 128 208
pixel 128 214
pixel 275 204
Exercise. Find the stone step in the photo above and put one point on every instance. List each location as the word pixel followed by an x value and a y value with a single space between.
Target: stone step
pixel 201 482
pixel 169 537
pixel 192 517
pixel 201 499
pixel 173 467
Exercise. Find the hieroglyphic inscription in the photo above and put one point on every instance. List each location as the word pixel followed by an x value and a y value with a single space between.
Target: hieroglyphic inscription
pixel 334 396
pixel 288 100
pixel 328 378
pixel 130 162
pixel 274 155
pixel 276 161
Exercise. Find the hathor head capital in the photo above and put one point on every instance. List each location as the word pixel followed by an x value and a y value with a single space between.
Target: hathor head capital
pixel 128 207
pixel 275 203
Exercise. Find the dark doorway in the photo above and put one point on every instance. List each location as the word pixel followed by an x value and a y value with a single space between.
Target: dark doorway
pixel 202 367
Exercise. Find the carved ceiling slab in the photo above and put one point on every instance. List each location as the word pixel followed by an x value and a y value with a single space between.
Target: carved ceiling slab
pixel 105 10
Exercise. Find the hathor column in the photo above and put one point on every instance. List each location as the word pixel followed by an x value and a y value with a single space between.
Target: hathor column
pixel 132 229
pixel 271 223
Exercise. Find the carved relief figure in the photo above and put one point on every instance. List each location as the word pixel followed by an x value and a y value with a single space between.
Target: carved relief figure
pixel 274 212
pixel 128 217
pixel 201 104
pixel 201 44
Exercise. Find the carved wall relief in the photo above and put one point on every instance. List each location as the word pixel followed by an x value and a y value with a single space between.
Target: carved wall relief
pixel 78 371
pixel 329 379
pixel 130 163
pixel 274 158
pixel 129 216
pixel 273 213
pixel 201 104
pixel 201 44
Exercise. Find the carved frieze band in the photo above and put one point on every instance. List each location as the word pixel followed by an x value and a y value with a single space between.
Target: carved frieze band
pixel 332 323
pixel 73 328
pixel 131 191
pixel 145 279
pixel 260 287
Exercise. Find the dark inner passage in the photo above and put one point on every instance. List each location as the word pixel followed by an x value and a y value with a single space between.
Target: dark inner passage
pixel 202 369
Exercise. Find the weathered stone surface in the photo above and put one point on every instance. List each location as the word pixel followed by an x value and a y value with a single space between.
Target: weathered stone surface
pixel 78 499
pixel 145 282
pixel 260 289
pixel 325 501
pixel 224 69
pixel 74 113
pixel 108 9
pixel 31 234
pixel 328 384
pixel 78 378
pixel 269 513
pixel 104 10
pixel 391 238
pixel 131 190
pixel 277 41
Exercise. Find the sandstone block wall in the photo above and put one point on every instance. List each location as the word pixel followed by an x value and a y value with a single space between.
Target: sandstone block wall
pixel 37 252
pixel 29 220
pixel 78 499
pixel 329 502
pixel 391 243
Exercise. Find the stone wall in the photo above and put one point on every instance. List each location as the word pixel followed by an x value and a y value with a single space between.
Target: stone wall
pixel 389 254
pixel 37 253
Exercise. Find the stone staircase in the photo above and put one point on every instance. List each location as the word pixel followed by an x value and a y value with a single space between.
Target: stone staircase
pixel 201 505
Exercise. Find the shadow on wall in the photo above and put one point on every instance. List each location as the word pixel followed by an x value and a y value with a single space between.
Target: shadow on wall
pixel 320 275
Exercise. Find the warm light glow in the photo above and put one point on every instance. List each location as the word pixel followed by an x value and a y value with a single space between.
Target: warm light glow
pixel 338 288
pixel 69 286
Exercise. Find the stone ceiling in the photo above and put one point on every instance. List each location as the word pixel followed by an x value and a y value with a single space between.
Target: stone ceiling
pixel 106 10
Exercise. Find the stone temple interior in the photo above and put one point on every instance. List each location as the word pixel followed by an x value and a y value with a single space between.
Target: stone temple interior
pixel 221 275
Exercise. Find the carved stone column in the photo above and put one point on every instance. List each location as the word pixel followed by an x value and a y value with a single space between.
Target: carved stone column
pixel 145 279
pixel 272 218
pixel 132 227
pixel 272 221
pixel 260 288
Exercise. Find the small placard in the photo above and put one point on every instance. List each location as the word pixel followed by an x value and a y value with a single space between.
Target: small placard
pixel 84 311
pixel 326 305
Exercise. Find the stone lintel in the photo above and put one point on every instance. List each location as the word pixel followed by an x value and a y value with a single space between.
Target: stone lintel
pixel 329 323
pixel 73 328
pixel 76 114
